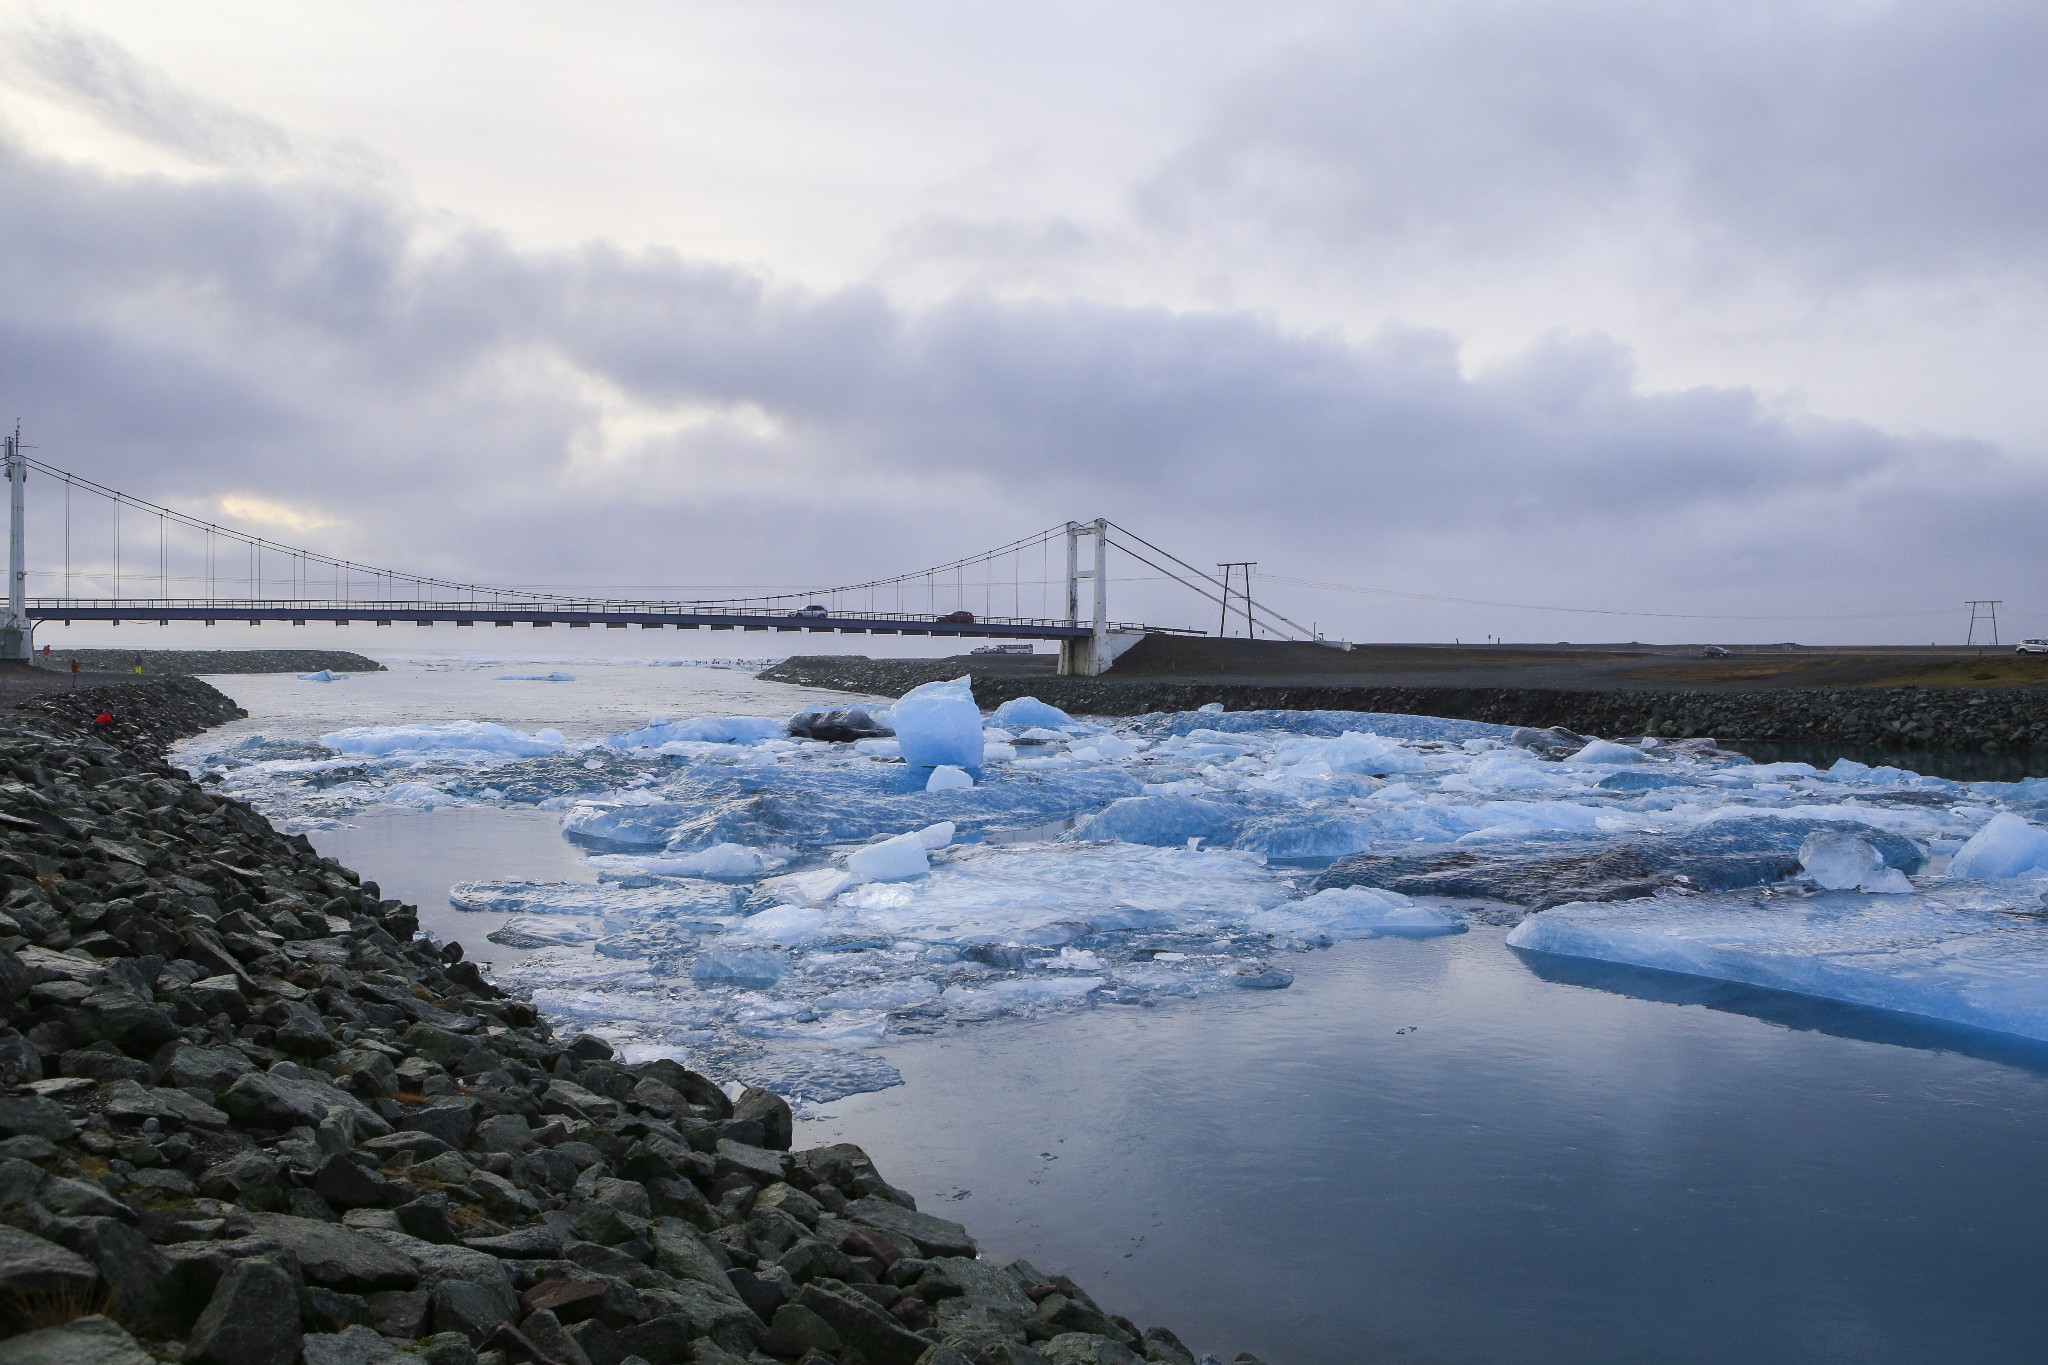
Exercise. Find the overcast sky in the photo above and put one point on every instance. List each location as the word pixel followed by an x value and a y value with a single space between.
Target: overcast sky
pixel 1734 311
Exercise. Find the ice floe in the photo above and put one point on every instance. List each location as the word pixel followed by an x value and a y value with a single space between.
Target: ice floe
pixel 777 897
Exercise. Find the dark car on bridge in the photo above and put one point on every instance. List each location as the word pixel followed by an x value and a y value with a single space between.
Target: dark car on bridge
pixel 957 618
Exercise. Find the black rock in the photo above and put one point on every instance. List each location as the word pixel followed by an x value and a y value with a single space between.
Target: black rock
pixel 337 1257
pixel 252 1319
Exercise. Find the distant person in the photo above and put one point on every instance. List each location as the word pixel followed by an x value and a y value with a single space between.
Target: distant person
pixel 103 721
pixel 74 672
pixel 138 665
pixel 46 656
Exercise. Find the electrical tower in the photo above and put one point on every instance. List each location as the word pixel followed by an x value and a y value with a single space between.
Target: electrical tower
pixel 1230 571
pixel 1985 610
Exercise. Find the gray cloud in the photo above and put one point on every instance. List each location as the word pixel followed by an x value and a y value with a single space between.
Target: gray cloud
pixel 1840 142
pixel 316 343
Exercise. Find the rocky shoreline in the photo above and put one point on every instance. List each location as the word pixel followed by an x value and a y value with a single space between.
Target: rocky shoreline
pixel 157 662
pixel 1991 719
pixel 249 1117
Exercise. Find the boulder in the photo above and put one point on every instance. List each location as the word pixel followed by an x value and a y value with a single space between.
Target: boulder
pixel 934 1236
pixel 336 1256
pixel 252 1319
pixel 32 1267
pixel 84 1341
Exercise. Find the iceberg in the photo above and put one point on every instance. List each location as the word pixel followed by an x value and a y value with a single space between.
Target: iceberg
pixel 1840 861
pixel 947 778
pixel 1024 713
pixel 753 967
pixel 2007 846
pixel 702 730
pixel 892 860
pixel 1964 955
pixel 938 725
pixel 324 675
pixel 456 737
pixel 732 861
pixel 1354 912
pixel 1164 821
pixel 536 677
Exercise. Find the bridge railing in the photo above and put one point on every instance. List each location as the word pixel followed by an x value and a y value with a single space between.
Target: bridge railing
pixel 145 608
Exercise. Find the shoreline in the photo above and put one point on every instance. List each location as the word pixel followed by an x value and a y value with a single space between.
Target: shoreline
pixel 248 1117
pixel 1991 720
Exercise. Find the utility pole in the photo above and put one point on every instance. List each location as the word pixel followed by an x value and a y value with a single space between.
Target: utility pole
pixel 1229 571
pixel 1981 609
pixel 16 632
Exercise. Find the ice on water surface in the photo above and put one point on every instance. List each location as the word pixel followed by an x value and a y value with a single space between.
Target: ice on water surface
pixel 777 905
pixel 1960 953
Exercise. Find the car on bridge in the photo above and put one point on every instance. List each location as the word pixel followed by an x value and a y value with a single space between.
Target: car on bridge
pixel 957 618
pixel 811 612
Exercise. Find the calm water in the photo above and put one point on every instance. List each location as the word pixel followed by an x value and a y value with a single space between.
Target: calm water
pixel 1960 765
pixel 1421 1152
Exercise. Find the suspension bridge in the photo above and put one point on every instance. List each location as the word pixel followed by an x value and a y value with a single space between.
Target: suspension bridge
pixel 109 557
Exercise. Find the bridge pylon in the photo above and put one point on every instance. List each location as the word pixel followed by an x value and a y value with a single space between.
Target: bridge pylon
pixel 1093 653
pixel 17 631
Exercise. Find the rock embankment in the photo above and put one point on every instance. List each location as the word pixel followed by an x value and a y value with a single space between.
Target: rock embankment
pixel 247 1117
pixel 200 661
pixel 1992 718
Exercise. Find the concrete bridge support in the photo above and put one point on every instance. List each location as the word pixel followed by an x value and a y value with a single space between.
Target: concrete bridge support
pixel 1088 657
pixel 17 632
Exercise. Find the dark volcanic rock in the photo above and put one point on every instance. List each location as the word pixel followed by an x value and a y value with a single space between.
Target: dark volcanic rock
pixel 252 1319
pixel 232 1080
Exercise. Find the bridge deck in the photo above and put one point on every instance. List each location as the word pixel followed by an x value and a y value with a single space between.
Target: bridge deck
pixel 611 615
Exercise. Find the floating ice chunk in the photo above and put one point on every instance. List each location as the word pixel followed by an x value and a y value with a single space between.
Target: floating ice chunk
pixel 669 900
pixel 937 724
pixel 788 926
pixel 1027 712
pixel 947 778
pixel 1306 836
pixel 887 995
pixel 937 836
pixel 878 748
pixel 1839 861
pixel 1604 753
pixel 1352 752
pixel 1516 770
pixel 1356 912
pixel 1040 735
pixel 842 1027
pixel 815 887
pixel 2006 847
pixel 730 861
pixel 1019 993
pixel 466 736
pixel 998 753
pixel 892 860
pixel 701 730
pixel 416 796
pixel 324 675
pixel 1072 960
pixel 755 967
pixel 536 677
pixel 1048 895
pixel 1957 954
pixel 642 823
pixel 1263 976
pixel 537 931
pixel 1164 821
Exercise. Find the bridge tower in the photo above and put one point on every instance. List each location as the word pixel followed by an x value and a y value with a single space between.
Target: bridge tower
pixel 1094 654
pixel 17 631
